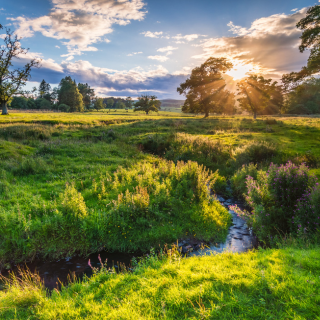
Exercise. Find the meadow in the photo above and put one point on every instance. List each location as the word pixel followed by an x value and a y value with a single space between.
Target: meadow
pixel 81 183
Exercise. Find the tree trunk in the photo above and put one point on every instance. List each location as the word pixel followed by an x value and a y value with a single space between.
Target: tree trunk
pixel 4 108
pixel 206 115
pixel 147 112
pixel 255 115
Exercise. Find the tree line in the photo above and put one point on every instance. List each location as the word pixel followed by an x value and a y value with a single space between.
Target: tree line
pixel 205 90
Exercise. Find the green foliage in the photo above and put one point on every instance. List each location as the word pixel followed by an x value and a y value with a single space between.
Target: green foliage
pixel 69 94
pixel 98 104
pixel 275 197
pixel 238 180
pixel 63 107
pixel 147 104
pixel 205 88
pixel 110 103
pixel 87 94
pixel 19 103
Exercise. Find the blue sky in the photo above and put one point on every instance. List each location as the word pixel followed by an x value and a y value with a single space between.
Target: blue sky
pixel 132 47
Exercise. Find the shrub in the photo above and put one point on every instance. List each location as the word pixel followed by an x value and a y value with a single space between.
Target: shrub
pixel 63 107
pixel 238 180
pixel 273 198
pixel 255 152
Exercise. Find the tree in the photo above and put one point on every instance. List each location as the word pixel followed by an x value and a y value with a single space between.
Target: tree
pixel 110 103
pixel 128 103
pixel 147 104
pixel 98 104
pixel 255 93
pixel 12 80
pixel 45 91
pixel 87 94
pixel 19 103
pixel 120 105
pixel 310 40
pixel 69 94
pixel 228 104
pixel 205 89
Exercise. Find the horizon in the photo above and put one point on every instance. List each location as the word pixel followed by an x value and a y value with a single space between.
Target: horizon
pixel 143 47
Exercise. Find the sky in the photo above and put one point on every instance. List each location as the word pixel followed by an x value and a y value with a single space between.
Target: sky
pixel 133 47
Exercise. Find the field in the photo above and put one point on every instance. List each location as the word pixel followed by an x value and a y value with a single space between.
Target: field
pixel 123 181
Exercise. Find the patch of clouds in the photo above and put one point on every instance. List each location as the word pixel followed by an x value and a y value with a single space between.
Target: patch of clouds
pixel 184 71
pixel 81 23
pixel 58 47
pixel 268 46
pixel 150 34
pixel 134 53
pixel 296 9
pixel 189 37
pixel 167 49
pixel 3 36
pixel 159 58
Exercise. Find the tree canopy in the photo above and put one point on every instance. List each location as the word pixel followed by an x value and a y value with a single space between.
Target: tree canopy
pixel 87 94
pixel 205 88
pixel 69 94
pixel 13 79
pixel 147 103
pixel 98 104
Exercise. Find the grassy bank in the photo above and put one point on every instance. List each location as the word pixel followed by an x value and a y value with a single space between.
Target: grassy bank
pixel 266 284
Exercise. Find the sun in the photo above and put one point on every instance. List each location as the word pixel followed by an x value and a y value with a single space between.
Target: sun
pixel 241 71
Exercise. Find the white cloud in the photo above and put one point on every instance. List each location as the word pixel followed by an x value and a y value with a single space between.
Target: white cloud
pixel 134 53
pixel 2 36
pixel 296 9
pixel 150 34
pixel 268 46
pixel 81 23
pixel 184 71
pixel 188 37
pixel 70 58
pixel 58 47
pixel 159 58
pixel 166 49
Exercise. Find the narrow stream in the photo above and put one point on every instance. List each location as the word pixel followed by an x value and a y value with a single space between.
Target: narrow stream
pixel 239 239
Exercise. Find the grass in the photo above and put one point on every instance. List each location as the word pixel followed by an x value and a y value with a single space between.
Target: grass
pixel 78 183
pixel 265 284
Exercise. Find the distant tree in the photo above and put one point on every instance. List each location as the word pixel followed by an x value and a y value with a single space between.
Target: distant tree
pixel 19 103
pixel 128 103
pixel 69 94
pixel 45 91
pixel 87 94
pixel 205 88
pixel 255 93
pixel 98 104
pixel 12 80
pixel 120 105
pixel 147 104
pixel 110 103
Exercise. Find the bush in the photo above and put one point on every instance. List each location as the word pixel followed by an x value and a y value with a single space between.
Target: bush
pixel 238 180
pixel 64 108
pixel 255 152
pixel 299 109
pixel 274 197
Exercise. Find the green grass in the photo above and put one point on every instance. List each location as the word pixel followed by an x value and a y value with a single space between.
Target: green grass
pixel 265 284
pixel 78 183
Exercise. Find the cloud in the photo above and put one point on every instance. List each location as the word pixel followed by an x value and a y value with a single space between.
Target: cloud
pixel 159 58
pixel 81 23
pixel 166 49
pixel 150 34
pixel 269 46
pixel 58 47
pixel 296 9
pixel 134 53
pixel 188 37
pixel 2 36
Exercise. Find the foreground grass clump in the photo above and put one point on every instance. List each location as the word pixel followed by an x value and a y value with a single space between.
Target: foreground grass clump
pixel 266 284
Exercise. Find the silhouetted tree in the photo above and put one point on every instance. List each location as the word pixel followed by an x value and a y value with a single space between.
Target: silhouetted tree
pixel 11 79
pixel 205 88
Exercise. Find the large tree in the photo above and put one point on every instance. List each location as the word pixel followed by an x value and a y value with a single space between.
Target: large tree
pixel 13 79
pixel 87 94
pixel 205 88
pixel 45 90
pixel 128 103
pixel 110 103
pixel 69 94
pixel 255 93
pixel 310 40
pixel 147 104
pixel 98 104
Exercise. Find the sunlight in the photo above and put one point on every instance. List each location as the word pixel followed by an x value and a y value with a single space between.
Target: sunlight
pixel 241 70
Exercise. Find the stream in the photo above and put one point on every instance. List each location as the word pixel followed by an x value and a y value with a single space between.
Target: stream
pixel 240 239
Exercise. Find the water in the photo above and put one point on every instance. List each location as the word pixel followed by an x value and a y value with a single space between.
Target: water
pixel 240 239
